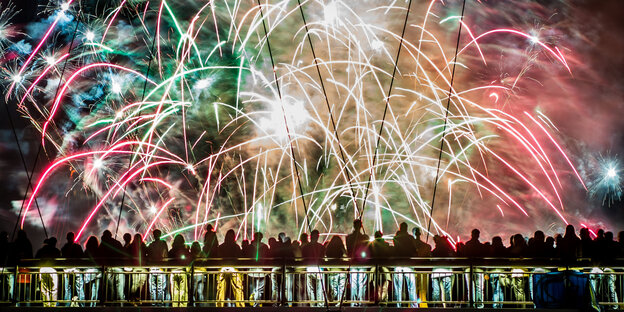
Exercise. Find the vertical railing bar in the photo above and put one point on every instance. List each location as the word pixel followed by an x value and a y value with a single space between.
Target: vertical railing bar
pixel 470 286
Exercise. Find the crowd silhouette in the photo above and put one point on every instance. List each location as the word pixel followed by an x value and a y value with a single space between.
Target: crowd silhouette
pixel 318 286
pixel 357 246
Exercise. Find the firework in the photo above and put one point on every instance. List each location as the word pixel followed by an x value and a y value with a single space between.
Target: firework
pixel 176 115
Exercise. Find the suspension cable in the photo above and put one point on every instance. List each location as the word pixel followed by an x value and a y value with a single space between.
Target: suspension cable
pixel 40 149
pixel 448 105
pixel 292 151
pixel 383 119
pixel 149 65
pixel 331 115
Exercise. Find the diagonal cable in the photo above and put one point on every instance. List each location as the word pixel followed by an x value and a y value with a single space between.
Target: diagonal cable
pixel 149 64
pixel 448 105
pixel 279 93
pixel 331 115
pixel 383 122
pixel 40 149
pixel 383 119
pixel 290 142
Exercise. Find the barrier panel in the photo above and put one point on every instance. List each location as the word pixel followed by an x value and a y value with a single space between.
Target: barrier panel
pixel 407 283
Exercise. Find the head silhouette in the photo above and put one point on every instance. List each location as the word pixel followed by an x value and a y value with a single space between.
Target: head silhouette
pixel 138 238
pixel 403 227
pixel 378 235
pixel 70 237
pixel 357 225
pixel 539 236
pixel 303 238
pixel 416 232
pixel 258 237
pixel 609 236
pixel 52 241
pixel 157 233
pixel 230 236
pixel 497 241
pixel 569 231
pixel 178 241
pixel 107 235
pixel 195 248
pixel 314 236
pixel 92 243
pixel 475 234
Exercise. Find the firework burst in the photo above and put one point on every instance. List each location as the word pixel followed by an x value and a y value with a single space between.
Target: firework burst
pixel 179 114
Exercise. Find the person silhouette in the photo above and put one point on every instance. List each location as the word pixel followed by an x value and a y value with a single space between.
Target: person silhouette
pixel 335 250
pixel 72 279
pixel 49 277
pixel 211 243
pixel 179 255
pixel 442 278
pixel 380 249
pixel 258 251
pixel 210 251
pixel 497 250
pixel 199 278
pixel 570 244
pixel 138 255
pixel 127 238
pixel 473 247
pixel 49 250
pixel 230 250
pixel 357 250
pixel 312 253
pixel 422 249
pixel 156 253
pixel 405 248
pixel 586 244
pixel 71 250
pixel 21 247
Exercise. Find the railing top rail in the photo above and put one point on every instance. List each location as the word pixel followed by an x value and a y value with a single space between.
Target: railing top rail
pixel 343 262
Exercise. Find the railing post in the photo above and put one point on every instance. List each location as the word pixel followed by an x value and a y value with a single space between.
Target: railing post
pixel 192 285
pixel 376 285
pixel 471 286
pixel 283 301
pixel 103 287
pixel 16 290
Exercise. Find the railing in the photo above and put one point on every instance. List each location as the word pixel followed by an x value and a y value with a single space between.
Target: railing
pixel 422 282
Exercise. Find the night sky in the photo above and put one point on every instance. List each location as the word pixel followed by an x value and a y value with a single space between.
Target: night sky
pixel 587 107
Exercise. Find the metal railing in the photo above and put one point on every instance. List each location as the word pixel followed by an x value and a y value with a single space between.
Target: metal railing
pixel 421 282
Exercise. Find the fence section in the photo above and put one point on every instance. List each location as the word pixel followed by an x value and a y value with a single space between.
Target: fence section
pixel 407 283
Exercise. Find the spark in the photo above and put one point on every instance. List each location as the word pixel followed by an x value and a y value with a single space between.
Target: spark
pixel 50 60
pixel 98 163
pixel 90 36
pixel 115 87
pixel 331 13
